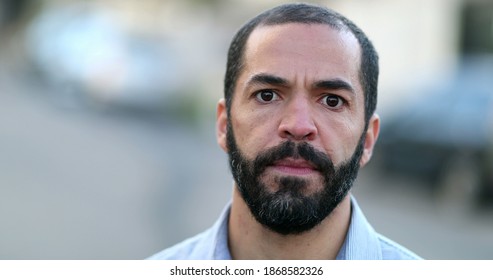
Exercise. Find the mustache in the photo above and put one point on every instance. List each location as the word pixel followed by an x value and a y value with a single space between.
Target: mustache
pixel 290 149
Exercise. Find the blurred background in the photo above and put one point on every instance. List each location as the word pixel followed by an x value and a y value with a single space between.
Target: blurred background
pixel 107 136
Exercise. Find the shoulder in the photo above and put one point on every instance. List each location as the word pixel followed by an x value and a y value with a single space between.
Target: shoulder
pixel 194 248
pixel 363 242
pixel 208 245
pixel 391 250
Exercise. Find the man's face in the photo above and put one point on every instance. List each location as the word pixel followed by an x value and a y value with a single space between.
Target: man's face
pixel 296 120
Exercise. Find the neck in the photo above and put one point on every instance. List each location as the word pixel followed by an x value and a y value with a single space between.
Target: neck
pixel 250 240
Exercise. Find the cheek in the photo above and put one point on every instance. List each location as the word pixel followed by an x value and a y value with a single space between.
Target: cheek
pixel 254 131
pixel 339 139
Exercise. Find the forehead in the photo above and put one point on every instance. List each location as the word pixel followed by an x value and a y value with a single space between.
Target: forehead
pixel 311 51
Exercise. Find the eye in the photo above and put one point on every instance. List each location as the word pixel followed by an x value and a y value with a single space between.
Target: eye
pixel 333 101
pixel 266 96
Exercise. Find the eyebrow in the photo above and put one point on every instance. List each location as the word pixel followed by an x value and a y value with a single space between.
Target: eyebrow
pixel 335 84
pixel 269 79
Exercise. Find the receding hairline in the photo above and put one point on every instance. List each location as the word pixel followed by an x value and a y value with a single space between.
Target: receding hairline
pixel 311 14
pixel 333 20
pixel 335 23
pixel 339 28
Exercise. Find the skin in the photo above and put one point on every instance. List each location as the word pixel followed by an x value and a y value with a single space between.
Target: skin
pixel 312 73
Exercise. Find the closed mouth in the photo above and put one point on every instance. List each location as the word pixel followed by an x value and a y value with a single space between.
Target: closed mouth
pixel 294 166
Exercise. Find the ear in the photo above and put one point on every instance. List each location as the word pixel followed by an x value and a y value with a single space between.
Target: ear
pixel 221 124
pixel 370 139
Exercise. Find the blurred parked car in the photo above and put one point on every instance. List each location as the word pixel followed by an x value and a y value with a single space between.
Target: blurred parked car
pixel 86 55
pixel 446 136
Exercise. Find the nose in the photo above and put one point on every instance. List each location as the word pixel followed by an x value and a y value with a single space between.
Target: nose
pixel 297 121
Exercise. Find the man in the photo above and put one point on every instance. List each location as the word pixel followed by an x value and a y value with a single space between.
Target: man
pixel 297 122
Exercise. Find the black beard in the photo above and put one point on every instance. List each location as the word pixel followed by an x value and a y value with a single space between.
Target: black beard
pixel 288 210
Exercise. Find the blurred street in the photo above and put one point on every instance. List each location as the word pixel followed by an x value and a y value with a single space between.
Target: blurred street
pixel 407 211
pixel 75 184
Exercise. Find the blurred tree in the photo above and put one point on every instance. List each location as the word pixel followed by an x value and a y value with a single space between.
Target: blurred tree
pixel 11 10
pixel 477 27
pixel 207 3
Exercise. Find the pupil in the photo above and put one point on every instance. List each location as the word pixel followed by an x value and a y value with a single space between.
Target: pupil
pixel 267 96
pixel 332 101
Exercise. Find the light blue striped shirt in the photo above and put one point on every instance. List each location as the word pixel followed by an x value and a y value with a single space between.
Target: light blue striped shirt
pixel 362 243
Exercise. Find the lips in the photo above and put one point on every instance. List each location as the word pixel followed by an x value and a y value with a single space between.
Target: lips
pixel 294 166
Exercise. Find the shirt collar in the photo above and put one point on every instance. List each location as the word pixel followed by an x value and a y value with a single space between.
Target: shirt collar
pixel 220 248
pixel 361 241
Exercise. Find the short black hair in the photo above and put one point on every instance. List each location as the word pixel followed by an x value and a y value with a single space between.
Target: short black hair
pixel 306 14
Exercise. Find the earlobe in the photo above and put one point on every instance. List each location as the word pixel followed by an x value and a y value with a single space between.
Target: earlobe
pixel 370 139
pixel 221 124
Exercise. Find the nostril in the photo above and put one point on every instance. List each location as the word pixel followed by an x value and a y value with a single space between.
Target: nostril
pixel 297 135
pixel 298 129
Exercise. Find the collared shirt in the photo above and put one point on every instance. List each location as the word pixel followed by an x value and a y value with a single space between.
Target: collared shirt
pixel 362 242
